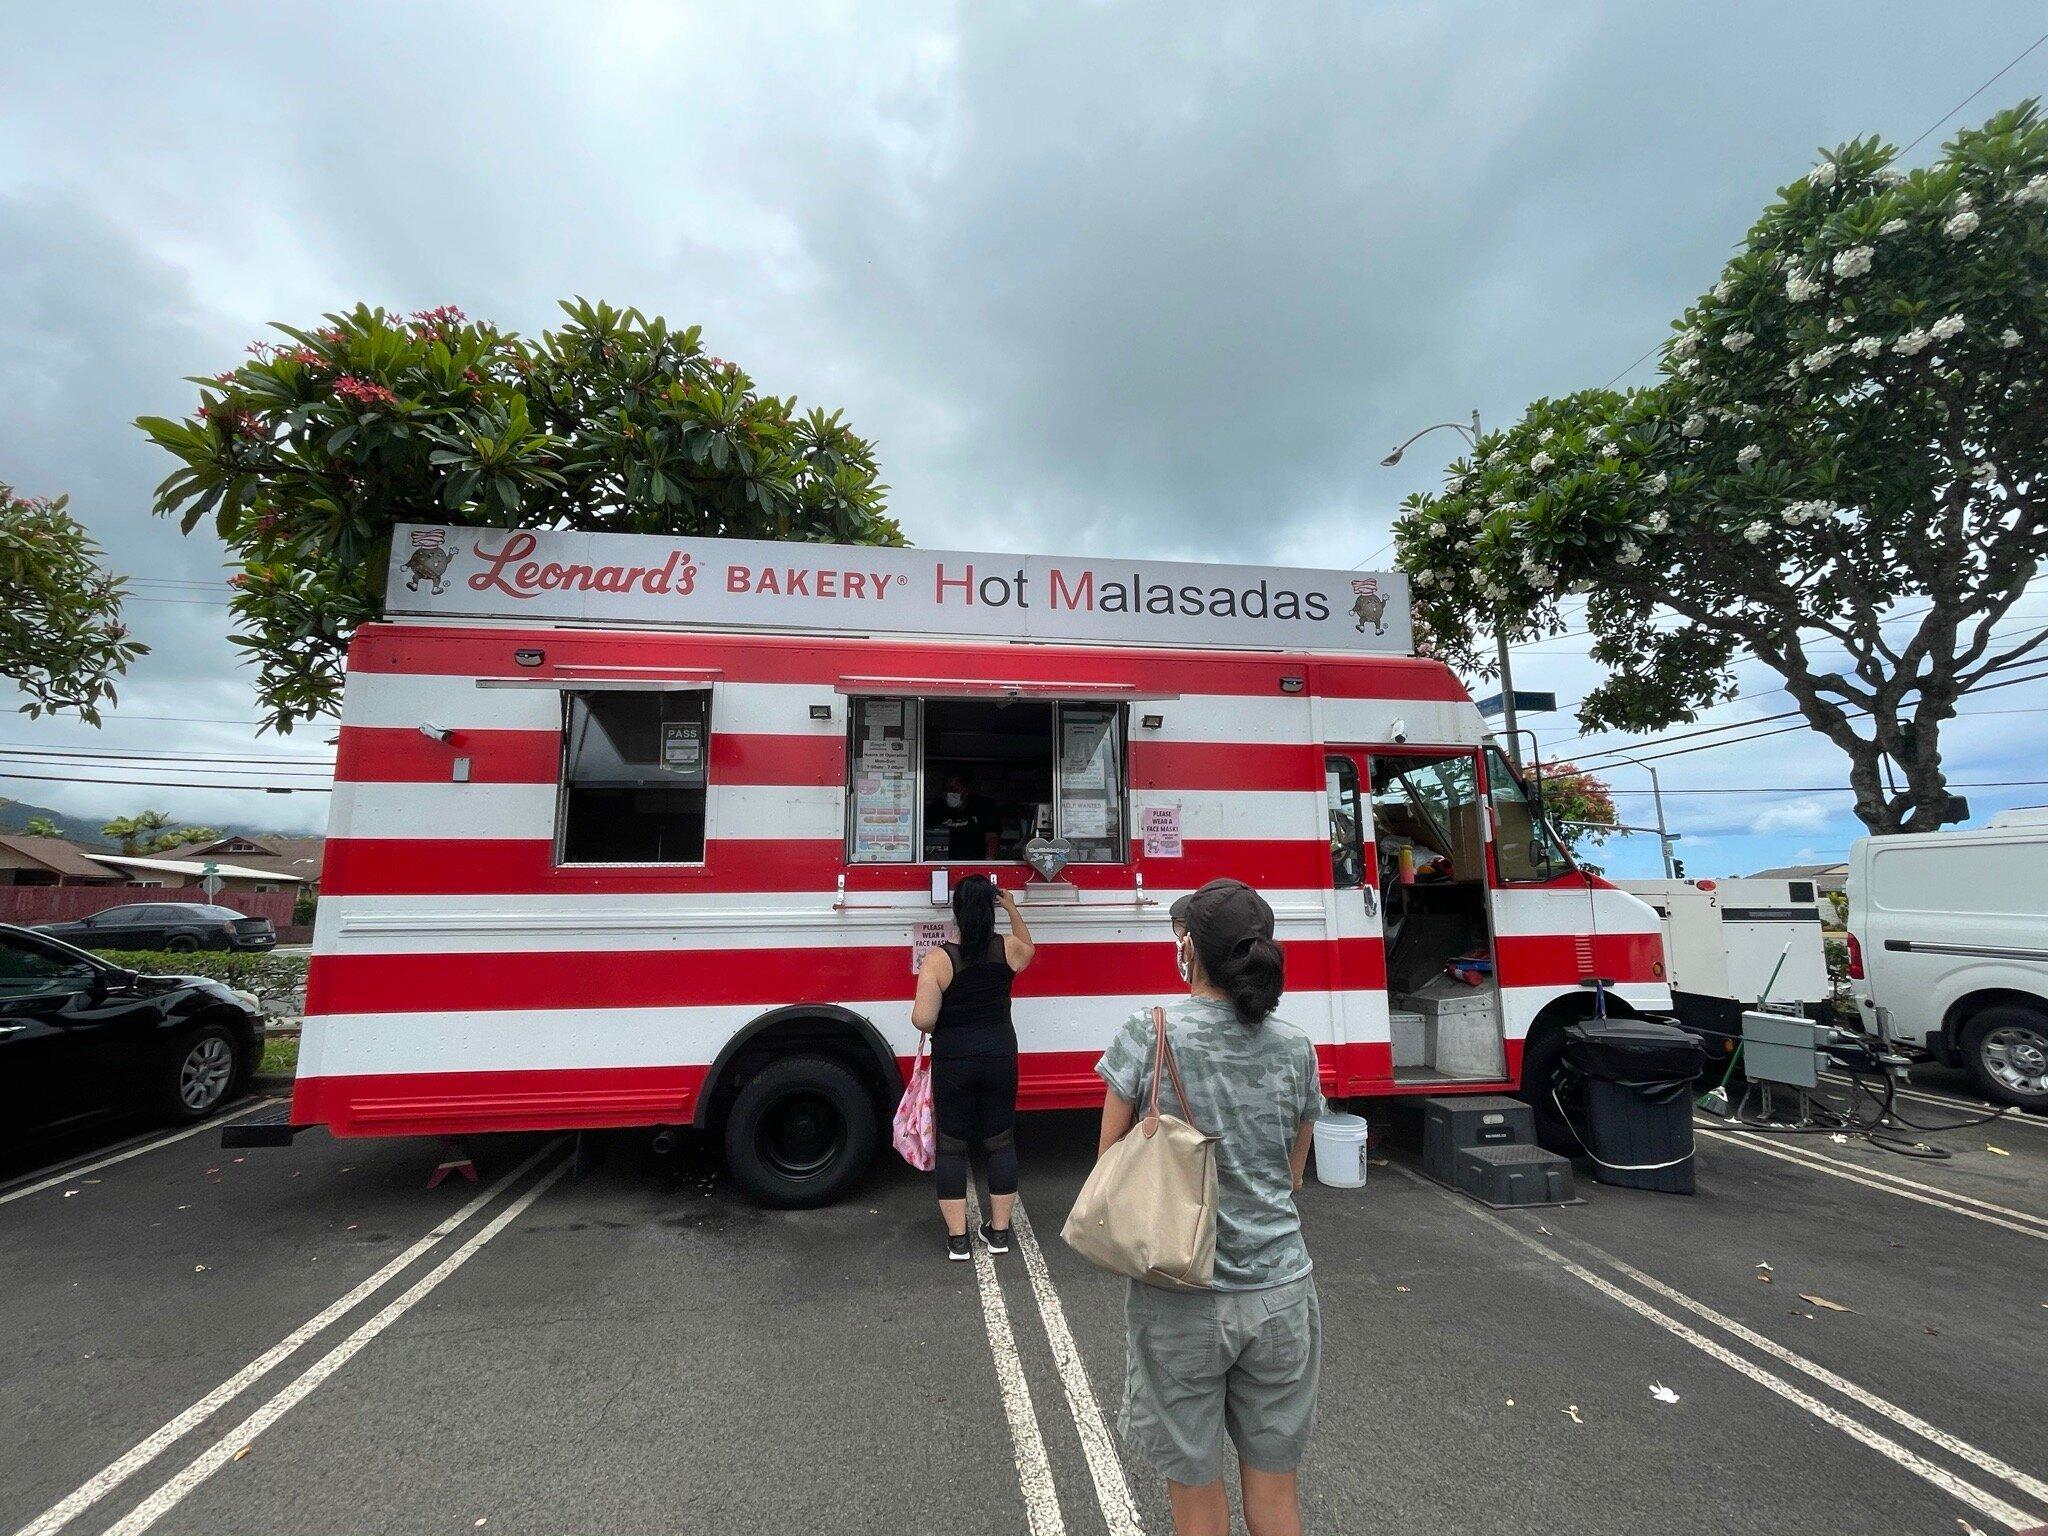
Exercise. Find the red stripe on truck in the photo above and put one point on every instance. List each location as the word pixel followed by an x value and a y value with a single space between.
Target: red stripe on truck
pixel 822 660
pixel 394 755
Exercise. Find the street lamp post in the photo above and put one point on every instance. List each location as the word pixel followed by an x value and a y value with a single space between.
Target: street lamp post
pixel 1472 435
pixel 1657 799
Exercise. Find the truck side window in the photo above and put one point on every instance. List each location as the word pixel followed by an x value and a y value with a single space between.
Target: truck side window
pixel 1347 858
pixel 635 774
pixel 1524 847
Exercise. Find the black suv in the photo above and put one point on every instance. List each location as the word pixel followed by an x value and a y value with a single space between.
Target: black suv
pixel 180 926
pixel 81 1040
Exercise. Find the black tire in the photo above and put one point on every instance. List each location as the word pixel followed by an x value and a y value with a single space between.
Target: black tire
pixel 205 1070
pixel 2005 1051
pixel 801 1133
pixel 1542 1060
pixel 181 944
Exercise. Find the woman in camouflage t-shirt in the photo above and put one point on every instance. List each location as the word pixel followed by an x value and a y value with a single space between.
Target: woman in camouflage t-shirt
pixel 1243 1357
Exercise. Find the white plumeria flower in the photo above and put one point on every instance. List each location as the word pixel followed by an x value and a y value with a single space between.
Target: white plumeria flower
pixel 1540 463
pixel 1629 553
pixel 2035 191
pixel 1659 482
pixel 1748 456
pixel 1889 176
pixel 1853 262
pixel 1735 341
pixel 1834 324
pixel 1695 425
pixel 1799 287
pixel 1688 368
pixel 1867 346
pixel 2010 339
pixel 1821 358
pixel 1962 226
pixel 1686 341
pixel 1822 175
pixel 1756 533
pixel 1965 202
pixel 1947 326
pixel 1546 434
pixel 1723 288
pixel 1913 341
pixel 1543 581
pixel 1657 521
pixel 1892 227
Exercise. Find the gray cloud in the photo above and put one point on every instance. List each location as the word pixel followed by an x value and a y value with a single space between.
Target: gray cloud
pixel 1141 279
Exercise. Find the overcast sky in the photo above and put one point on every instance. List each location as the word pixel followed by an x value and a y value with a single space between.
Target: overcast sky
pixel 1149 280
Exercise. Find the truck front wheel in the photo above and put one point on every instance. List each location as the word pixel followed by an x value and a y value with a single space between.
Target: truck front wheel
pixel 801 1132
pixel 2005 1049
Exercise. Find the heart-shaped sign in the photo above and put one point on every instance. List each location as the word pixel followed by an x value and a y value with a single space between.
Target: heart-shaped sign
pixel 1048 855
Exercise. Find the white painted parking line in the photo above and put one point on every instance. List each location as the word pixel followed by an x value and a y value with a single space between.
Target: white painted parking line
pixel 125 1153
pixel 2025 1483
pixel 144 1452
pixel 1105 1466
pixel 1987 1504
pixel 1034 1472
pixel 2023 1222
pixel 222 1451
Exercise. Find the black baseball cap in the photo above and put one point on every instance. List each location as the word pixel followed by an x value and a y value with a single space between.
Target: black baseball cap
pixel 1225 911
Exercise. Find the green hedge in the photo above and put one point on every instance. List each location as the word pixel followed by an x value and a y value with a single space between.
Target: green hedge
pixel 279 980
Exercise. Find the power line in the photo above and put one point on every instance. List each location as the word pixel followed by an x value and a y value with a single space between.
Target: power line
pixel 1952 111
pixel 1853 712
pixel 1832 789
pixel 268 789
pixel 97 753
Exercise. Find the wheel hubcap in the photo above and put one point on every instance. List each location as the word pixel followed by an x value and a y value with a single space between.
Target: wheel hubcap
pixel 2018 1058
pixel 204 1076
pixel 802 1135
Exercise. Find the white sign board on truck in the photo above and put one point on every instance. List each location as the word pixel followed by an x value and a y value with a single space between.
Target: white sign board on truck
pixel 640 580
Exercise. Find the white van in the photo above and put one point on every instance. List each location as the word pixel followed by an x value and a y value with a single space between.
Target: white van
pixel 1948 950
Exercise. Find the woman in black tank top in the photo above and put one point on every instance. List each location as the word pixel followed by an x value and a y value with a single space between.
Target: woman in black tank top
pixel 963 1002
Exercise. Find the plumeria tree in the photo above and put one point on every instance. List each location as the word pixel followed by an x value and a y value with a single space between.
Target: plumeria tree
pixel 305 456
pixel 1840 474
pixel 1578 804
pixel 62 639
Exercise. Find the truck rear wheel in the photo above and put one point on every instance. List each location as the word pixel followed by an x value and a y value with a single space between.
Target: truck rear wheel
pixel 801 1132
pixel 2005 1050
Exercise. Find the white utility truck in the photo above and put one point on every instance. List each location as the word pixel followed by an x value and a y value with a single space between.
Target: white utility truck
pixel 1948 949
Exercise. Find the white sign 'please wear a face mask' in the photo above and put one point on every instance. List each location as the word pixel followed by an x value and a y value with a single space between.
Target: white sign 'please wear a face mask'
pixel 660 580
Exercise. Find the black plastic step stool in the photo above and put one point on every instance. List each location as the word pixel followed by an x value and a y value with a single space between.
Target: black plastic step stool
pixel 1485 1146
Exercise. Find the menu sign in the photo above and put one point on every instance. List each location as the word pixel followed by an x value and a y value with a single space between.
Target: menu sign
pixel 884 785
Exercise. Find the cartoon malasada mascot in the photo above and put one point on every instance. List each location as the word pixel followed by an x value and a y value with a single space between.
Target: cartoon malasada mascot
pixel 1369 607
pixel 428 565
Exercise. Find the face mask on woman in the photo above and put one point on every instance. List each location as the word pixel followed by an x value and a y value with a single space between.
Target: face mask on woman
pixel 954 799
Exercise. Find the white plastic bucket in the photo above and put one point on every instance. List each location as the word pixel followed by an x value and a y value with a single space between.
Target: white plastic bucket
pixel 1340 1151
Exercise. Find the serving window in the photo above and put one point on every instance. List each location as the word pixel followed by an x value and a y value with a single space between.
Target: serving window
pixel 965 781
pixel 635 776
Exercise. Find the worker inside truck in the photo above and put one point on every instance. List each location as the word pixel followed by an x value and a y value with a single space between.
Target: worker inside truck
pixel 968 780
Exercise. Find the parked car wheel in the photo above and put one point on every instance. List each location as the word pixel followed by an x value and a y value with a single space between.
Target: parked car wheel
pixel 2005 1050
pixel 801 1132
pixel 181 943
pixel 204 1073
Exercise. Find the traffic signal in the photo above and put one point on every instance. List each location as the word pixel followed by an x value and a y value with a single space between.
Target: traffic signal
pixel 1678 869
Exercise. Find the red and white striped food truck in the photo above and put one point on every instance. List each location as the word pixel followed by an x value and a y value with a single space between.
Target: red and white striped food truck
pixel 643 831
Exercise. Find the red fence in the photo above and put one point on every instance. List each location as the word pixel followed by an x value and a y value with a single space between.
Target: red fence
pixel 32 904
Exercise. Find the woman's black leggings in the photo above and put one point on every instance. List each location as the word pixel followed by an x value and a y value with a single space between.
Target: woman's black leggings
pixel 974 1098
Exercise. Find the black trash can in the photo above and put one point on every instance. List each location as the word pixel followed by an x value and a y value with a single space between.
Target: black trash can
pixel 1629 1091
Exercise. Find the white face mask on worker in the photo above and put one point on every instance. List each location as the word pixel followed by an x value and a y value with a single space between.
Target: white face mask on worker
pixel 954 800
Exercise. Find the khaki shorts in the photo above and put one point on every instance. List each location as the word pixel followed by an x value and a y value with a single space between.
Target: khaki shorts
pixel 1206 1363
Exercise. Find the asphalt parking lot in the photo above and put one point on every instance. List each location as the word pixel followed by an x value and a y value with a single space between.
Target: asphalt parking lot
pixel 311 1340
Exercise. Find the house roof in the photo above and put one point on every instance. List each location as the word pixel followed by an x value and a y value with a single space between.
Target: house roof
pixel 289 858
pixel 194 868
pixel 60 855
pixel 1800 872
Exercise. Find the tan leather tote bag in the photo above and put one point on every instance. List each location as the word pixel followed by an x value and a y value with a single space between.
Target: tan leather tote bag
pixel 1148 1209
